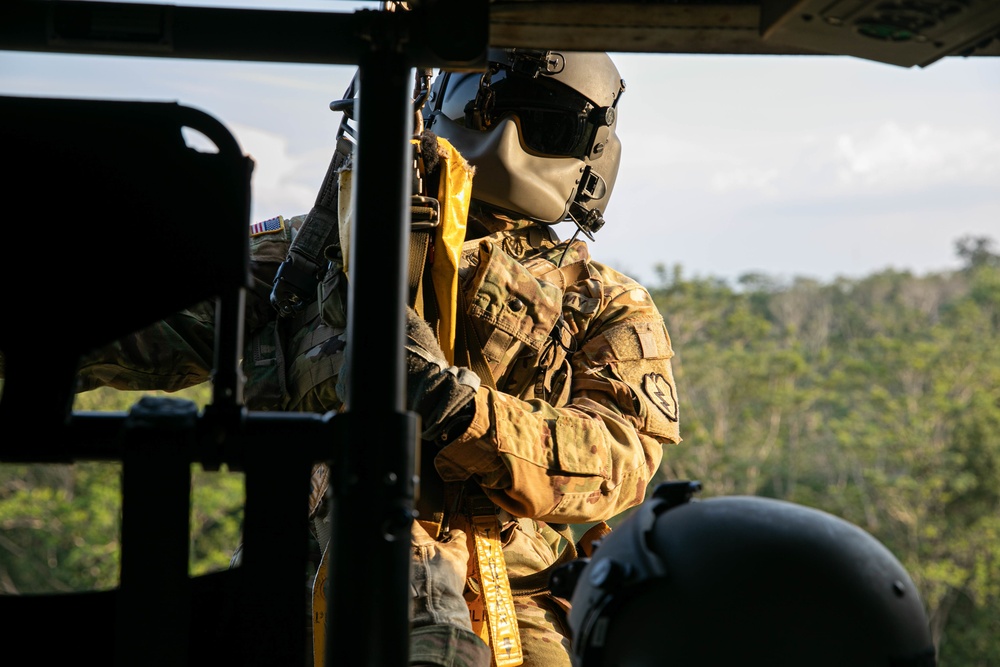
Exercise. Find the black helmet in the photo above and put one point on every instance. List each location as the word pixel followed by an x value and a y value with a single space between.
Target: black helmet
pixel 742 580
pixel 539 127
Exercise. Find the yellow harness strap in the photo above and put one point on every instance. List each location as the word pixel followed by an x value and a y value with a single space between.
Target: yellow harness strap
pixel 454 195
pixel 319 612
pixel 492 612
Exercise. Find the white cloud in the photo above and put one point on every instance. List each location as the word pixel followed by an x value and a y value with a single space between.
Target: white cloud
pixel 906 157
pixel 884 159
pixel 284 183
pixel 763 181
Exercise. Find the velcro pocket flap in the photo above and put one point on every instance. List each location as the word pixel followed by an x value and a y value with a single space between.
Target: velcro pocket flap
pixel 506 296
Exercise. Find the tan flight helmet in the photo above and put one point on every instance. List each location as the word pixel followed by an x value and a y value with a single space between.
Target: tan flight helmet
pixel 539 127
pixel 741 580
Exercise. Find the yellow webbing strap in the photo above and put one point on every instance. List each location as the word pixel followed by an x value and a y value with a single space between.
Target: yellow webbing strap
pixel 319 612
pixel 454 194
pixel 494 621
pixel 492 612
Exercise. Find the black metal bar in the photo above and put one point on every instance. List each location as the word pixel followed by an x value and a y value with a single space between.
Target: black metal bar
pixel 210 33
pixel 227 380
pixel 372 495
pixel 273 605
pixel 169 31
pixel 153 612
pixel 95 436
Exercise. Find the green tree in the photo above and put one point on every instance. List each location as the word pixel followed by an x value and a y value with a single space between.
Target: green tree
pixel 60 524
pixel 875 399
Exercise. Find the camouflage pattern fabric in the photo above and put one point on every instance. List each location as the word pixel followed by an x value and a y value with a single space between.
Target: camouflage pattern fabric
pixel 585 396
pixel 441 631
pixel 172 354
pixel 447 646
pixel 531 546
pixel 177 352
pixel 584 402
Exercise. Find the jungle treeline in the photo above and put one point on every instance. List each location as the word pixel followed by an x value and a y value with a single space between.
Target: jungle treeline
pixel 875 399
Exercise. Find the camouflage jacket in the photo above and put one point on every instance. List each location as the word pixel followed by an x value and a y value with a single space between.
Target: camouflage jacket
pixel 582 397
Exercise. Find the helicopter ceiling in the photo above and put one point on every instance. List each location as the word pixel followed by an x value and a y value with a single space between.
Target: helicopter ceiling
pixel 899 32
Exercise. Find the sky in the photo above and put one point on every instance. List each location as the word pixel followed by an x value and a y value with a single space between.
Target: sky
pixel 796 166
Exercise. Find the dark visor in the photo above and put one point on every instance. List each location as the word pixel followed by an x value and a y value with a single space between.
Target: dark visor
pixel 553 119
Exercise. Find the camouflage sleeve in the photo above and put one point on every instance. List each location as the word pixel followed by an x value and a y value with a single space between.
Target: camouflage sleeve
pixel 169 355
pixel 592 457
pixel 448 646
pixel 178 351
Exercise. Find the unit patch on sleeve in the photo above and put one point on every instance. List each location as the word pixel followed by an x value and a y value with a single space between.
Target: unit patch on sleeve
pixel 661 392
pixel 271 226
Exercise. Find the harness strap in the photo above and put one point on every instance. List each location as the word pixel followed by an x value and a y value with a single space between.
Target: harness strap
pixel 497 625
pixel 319 611
pixel 420 241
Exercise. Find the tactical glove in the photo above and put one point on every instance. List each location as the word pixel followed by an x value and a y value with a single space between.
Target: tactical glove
pixel 443 395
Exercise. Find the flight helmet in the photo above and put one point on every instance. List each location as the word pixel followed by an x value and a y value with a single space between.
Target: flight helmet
pixel 741 580
pixel 539 127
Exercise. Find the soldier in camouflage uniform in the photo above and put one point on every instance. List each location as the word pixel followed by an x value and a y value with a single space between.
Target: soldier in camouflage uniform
pixel 573 397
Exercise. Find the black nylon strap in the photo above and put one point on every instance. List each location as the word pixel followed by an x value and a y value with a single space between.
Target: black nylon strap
pixel 419 243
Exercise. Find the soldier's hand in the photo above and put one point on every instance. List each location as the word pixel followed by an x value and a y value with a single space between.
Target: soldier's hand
pixel 438 573
pixel 443 395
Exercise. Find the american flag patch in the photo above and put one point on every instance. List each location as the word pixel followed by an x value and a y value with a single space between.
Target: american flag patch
pixel 267 227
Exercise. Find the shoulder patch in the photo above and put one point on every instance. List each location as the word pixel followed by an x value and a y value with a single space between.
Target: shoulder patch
pixel 276 224
pixel 661 393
